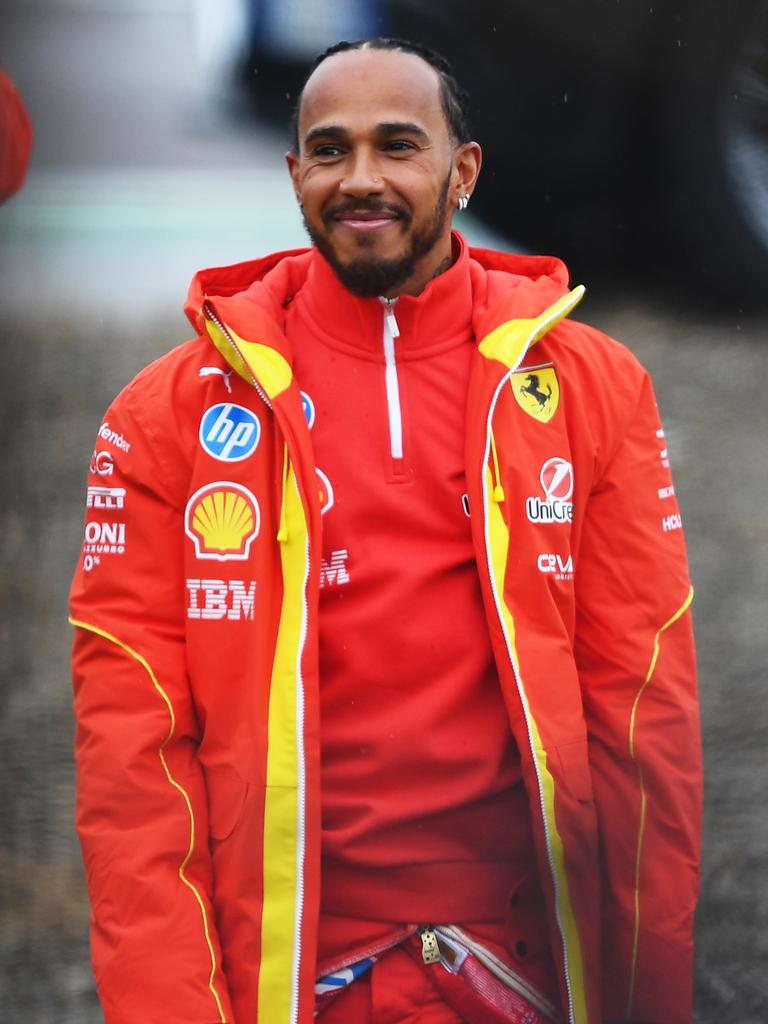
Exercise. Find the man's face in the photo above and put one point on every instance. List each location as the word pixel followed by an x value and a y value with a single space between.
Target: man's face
pixel 377 174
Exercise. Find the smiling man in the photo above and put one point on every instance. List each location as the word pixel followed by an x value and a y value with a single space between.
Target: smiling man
pixel 376 194
pixel 383 664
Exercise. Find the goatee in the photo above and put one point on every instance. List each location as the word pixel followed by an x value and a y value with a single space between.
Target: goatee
pixel 369 275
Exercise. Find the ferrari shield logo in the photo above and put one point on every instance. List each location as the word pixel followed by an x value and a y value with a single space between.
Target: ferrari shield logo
pixel 537 391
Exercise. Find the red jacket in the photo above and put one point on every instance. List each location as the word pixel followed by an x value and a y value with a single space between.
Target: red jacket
pixel 196 656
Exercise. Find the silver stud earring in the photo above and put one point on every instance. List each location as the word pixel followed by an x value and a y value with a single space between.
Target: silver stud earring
pixel 463 202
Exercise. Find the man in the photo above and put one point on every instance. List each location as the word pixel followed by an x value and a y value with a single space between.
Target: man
pixel 383 667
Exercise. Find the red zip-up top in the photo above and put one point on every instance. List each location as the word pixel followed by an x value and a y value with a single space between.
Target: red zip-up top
pixel 425 817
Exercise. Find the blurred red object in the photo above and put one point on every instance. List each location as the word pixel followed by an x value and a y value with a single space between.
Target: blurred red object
pixel 15 138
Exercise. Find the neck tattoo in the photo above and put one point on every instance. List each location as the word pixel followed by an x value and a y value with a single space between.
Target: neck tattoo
pixel 442 267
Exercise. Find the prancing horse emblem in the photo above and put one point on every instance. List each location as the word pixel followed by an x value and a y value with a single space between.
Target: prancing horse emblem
pixel 532 388
pixel 537 391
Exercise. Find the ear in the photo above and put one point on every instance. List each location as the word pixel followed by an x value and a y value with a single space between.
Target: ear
pixel 292 160
pixel 467 159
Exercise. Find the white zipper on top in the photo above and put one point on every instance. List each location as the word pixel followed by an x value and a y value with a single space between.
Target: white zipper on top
pixel 394 412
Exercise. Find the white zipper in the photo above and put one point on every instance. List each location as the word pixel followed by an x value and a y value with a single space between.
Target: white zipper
pixel 497 598
pixel 301 795
pixel 209 310
pixel 497 601
pixel 300 753
pixel 389 333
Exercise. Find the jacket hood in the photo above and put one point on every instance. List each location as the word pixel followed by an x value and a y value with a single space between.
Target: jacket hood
pixel 505 286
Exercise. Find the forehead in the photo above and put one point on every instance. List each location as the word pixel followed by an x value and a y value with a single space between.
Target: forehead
pixel 359 89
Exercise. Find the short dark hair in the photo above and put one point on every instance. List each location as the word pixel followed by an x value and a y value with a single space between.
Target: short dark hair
pixel 454 99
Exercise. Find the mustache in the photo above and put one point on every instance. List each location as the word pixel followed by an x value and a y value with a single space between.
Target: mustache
pixel 332 213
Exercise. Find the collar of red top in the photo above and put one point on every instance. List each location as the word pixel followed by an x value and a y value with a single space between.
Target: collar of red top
pixel 438 318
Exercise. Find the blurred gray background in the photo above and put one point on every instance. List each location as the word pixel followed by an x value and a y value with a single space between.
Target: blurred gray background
pixel 149 162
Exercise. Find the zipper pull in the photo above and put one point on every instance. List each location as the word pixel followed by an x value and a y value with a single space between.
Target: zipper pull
pixel 430 951
pixel 498 490
pixel 389 316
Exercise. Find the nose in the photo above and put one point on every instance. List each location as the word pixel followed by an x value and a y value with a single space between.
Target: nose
pixel 362 175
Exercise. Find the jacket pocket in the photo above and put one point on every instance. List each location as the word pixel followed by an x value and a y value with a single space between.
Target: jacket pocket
pixel 226 797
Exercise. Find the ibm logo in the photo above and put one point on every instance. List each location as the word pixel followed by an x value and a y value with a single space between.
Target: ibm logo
pixel 333 571
pixel 221 599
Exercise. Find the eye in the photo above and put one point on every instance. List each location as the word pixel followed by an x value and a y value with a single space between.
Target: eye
pixel 399 146
pixel 326 151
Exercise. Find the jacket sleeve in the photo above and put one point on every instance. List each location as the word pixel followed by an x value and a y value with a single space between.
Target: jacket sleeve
pixel 141 796
pixel 636 661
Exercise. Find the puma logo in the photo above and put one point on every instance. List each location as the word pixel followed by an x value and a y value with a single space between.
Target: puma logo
pixel 209 371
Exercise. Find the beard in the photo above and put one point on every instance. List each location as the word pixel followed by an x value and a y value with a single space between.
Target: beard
pixel 368 275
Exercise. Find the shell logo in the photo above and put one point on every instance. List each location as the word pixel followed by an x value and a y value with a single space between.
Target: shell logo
pixel 222 519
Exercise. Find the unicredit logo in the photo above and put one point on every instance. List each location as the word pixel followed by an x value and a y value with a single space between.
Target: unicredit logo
pixel 556 478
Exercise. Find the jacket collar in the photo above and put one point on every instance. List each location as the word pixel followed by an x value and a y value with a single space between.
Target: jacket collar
pixel 505 298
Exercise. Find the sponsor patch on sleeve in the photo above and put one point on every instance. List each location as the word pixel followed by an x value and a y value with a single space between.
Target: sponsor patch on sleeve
pixel 213 600
pixel 222 520
pixel 229 432
pixel 556 479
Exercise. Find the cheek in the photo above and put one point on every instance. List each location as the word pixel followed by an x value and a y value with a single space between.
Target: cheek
pixel 420 187
pixel 318 186
pixel 426 204
pixel 313 206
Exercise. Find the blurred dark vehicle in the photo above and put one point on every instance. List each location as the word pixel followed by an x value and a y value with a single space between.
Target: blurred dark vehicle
pixel 619 134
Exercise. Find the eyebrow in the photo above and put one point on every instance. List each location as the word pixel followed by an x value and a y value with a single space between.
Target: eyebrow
pixel 332 131
pixel 401 128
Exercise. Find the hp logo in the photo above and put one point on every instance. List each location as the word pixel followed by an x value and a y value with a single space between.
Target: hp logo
pixel 229 432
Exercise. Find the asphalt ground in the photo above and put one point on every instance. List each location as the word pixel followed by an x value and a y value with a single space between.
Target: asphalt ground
pixel 95 256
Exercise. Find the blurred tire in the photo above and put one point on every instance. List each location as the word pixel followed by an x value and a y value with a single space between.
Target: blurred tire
pixel 632 138
pixel 718 131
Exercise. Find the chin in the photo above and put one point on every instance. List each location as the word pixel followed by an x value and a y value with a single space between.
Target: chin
pixel 385 241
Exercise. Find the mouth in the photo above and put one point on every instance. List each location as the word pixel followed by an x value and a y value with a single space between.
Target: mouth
pixel 365 219
pixel 358 222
